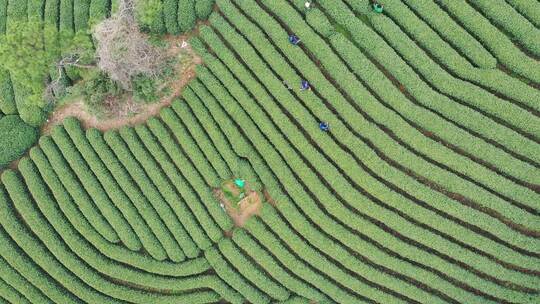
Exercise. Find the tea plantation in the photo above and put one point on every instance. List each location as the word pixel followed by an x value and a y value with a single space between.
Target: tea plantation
pixel 424 187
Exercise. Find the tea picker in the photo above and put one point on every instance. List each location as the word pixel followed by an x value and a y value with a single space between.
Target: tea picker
pixel 305 85
pixel 324 126
pixel 293 39
pixel 377 7
pixel 240 183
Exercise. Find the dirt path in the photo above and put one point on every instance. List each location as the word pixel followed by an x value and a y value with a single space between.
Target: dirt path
pixel 77 108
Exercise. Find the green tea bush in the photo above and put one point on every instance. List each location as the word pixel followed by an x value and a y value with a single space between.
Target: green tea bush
pixel 162 196
pixel 201 138
pixel 206 121
pixel 77 191
pixel 251 271
pixel 184 213
pixel 272 266
pixel 67 24
pixel 51 16
pixel 193 184
pixel 15 138
pixel 3 15
pixel 226 272
pixel 35 9
pixel 186 15
pixel 7 97
pixel 170 11
pixel 144 89
pixel 132 207
pixel 116 252
pixel 81 14
pixel 319 22
pixel 99 10
pixel 203 8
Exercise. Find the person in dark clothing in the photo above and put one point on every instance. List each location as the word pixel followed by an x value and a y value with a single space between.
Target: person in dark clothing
pixel 293 39
pixel 305 85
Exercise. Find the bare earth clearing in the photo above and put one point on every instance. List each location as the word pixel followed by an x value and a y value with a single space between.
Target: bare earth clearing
pixel 185 72
pixel 240 212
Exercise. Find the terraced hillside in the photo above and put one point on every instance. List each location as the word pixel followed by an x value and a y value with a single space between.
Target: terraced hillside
pixel 426 188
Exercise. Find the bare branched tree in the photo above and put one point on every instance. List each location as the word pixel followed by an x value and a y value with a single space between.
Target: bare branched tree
pixel 123 51
pixel 56 87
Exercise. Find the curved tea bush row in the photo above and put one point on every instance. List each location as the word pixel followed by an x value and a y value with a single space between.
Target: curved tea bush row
pixel 110 211
pixel 277 270
pixel 450 31
pixel 276 248
pixel 165 210
pixel 312 180
pixel 302 115
pixel 75 217
pixel 236 281
pixel 386 56
pixel 247 269
pixel 187 215
pixel 264 46
pixel 438 152
pixel 190 148
pixel 201 165
pixel 3 15
pixel 503 49
pixel 470 94
pixel 529 9
pixel 109 182
pixel 454 63
pixel 79 194
pixel 207 212
pixel 158 212
pixel 211 125
pixel 501 14
pixel 457 36
pixel 201 139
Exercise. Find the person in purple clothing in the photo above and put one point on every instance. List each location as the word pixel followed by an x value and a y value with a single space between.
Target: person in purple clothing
pixel 293 39
pixel 305 85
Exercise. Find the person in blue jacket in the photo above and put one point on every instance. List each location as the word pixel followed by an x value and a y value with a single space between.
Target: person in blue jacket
pixel 324 126
pixel 304 85
pixel 293 39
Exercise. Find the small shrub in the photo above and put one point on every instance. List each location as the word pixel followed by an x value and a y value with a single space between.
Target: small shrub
pixel 15 138
pixel 144 89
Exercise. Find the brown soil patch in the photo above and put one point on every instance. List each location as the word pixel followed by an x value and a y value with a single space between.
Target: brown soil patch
pixel 137 113
pixel 240 212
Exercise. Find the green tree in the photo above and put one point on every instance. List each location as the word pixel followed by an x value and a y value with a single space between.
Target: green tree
pixel 24 55
pixel 147 12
